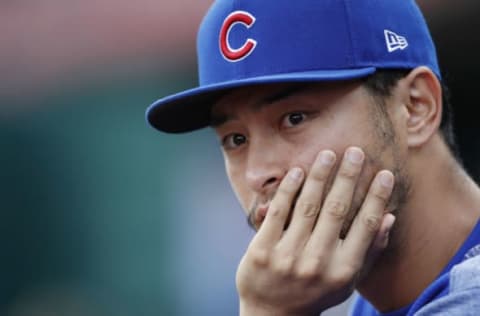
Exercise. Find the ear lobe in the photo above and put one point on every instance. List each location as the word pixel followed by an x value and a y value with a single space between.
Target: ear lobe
pixel 424 106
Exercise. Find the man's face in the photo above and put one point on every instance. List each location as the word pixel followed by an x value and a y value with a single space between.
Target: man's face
pixel 267 130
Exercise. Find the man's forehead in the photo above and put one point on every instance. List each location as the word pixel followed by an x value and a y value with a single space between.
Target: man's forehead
pixel 258 96
pixel 255 94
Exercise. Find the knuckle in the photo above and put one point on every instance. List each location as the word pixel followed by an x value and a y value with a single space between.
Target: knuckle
pixel 274 211
pixel 341 278
pixel 336 209
pixel 285 265
pixel 348 277
pixel 343 274
pixel 372 223
pixel 308 209
pixel 381 195
pixel 284 190
pixel 310 270
pixel 349 172
pixel 260 257
pixel 308 273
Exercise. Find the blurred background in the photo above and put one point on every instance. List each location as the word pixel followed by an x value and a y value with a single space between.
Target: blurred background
pixel 100 214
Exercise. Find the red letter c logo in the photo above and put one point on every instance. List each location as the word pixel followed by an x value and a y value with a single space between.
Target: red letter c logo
pixel 229 53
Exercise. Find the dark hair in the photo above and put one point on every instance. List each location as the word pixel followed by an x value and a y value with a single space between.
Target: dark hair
pixel 383 81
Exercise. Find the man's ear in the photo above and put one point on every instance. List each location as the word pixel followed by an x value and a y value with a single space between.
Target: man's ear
pixel 424 105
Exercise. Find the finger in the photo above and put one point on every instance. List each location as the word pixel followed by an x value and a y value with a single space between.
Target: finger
pixel 381 239
pixel 379 243
pixel 309 202
pixel 272 228
pixel 359 267
pixel 337 203
pixel 368 221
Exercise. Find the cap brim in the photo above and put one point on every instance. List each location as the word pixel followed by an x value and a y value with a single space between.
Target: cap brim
pixel 190 110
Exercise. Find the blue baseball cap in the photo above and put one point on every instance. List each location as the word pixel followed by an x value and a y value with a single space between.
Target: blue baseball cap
pixel 243 43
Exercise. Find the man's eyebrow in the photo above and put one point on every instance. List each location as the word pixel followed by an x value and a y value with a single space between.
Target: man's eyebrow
pixel 219 119
pixel 282 94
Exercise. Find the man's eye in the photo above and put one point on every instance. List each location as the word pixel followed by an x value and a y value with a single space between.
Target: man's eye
pixel 233 141
pixel 293 119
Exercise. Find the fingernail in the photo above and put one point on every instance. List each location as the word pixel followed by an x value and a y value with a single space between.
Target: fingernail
pixel 327 158
pixel 355 155
pixel 296 173
pixel 386 179
pixel 389 221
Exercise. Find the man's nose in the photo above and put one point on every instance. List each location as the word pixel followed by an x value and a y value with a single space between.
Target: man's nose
pixel 266 167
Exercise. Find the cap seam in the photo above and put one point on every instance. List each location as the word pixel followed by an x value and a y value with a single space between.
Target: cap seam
pixel 351 57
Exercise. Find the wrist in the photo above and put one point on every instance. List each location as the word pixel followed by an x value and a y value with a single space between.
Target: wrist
pixel 249 309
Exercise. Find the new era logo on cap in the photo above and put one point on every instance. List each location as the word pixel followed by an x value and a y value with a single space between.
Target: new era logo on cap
pixel 395 41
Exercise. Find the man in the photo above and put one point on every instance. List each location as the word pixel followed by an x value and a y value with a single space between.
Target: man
pixel 333 126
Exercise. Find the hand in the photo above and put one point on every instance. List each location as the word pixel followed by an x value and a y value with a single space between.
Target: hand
pixel 307 268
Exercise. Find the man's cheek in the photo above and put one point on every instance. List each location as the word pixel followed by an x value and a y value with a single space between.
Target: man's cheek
pixel 237 188
pixel 243 198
